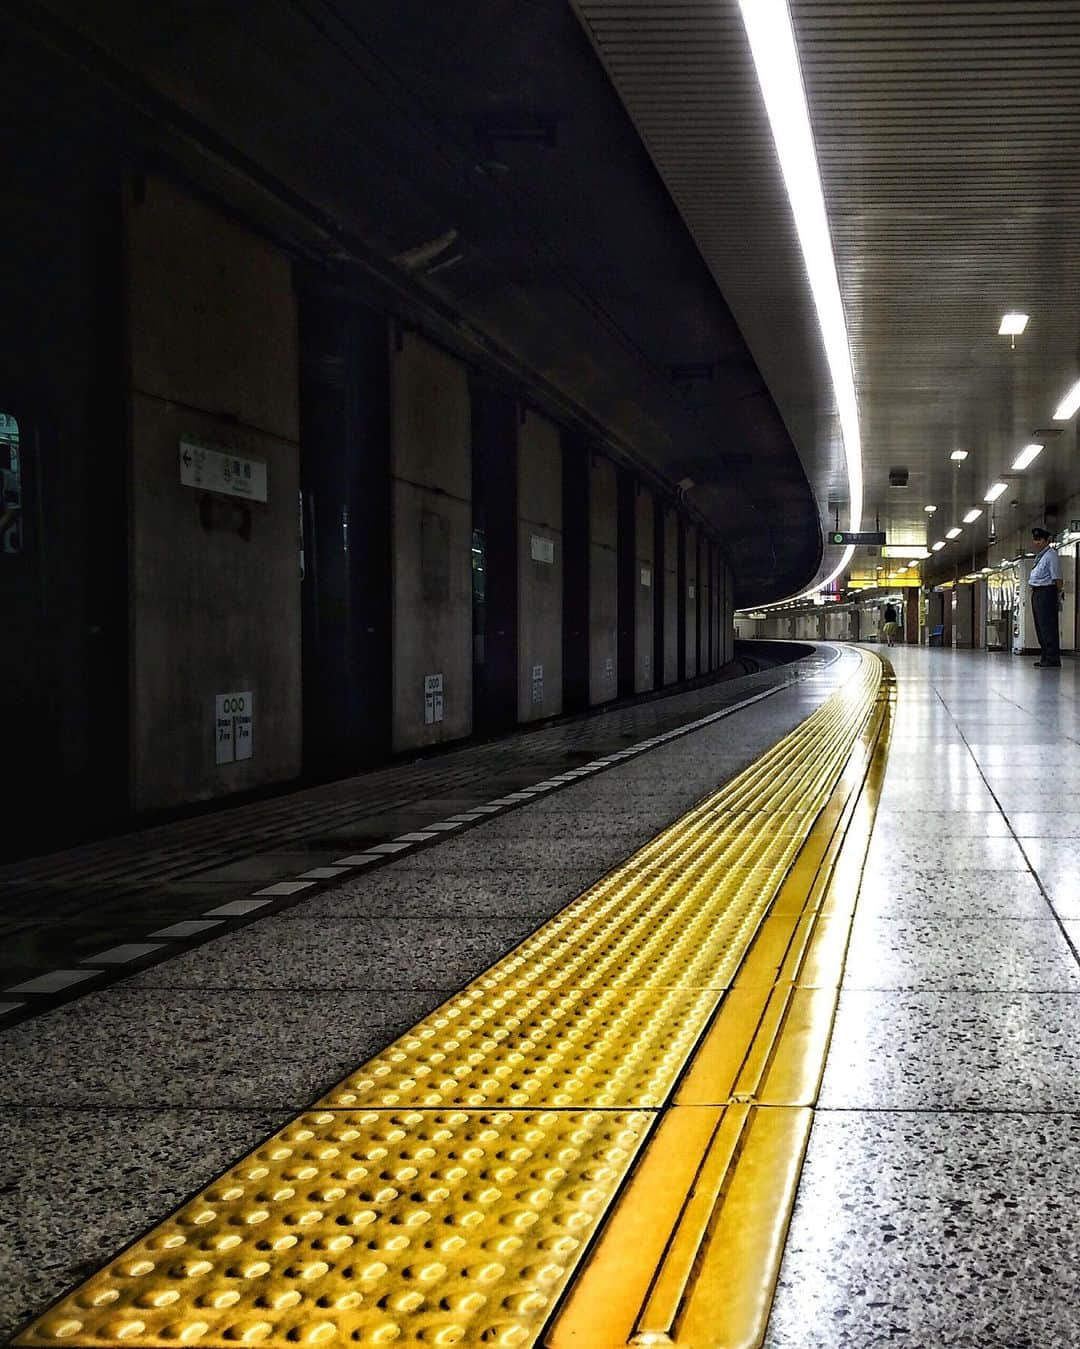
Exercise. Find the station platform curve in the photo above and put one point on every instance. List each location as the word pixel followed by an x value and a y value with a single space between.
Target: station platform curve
pixel 749 1015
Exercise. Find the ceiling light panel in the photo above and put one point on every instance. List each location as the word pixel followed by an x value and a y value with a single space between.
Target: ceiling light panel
pixel 958 456
pixel 1026 456
pixel 1069 404
pixel 929 509
pixel 953 533
pixel 994 492
pixel 937 547
pixel 1012 325
pixel 972 515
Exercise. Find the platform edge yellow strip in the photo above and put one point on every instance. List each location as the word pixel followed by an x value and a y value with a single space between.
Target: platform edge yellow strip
pixel 712 1285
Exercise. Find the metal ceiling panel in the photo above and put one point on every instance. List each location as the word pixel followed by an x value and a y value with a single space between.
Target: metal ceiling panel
pixel 948 139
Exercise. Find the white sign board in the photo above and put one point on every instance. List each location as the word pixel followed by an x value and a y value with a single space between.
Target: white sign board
pixel 691 591
pixel 646 576
pixel 433 699
pixel 218 471
pixel 541 549
pixel 537 684
pixel 233 725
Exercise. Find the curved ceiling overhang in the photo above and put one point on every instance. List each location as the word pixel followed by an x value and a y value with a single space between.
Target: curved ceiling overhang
pixel 688 80
pixel 481 151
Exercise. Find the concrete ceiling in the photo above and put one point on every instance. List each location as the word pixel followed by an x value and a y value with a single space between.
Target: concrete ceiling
pixel 948 139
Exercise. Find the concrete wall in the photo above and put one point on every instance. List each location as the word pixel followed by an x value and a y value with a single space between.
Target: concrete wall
pixel 215 591
pixel 603 582
pixel 671 597
pixel 540 583
pixel 645 572
pixel 431 515
pixel 727 649
pixel 692 599
pixel 704 608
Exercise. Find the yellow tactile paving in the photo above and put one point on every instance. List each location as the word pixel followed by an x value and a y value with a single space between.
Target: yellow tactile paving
pixel 444 1192
pixel 690 1255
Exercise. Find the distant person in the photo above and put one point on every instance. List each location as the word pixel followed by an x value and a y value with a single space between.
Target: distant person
pixel 1047 588
pixel 891 626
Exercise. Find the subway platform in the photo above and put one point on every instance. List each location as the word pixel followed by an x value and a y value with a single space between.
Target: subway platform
pixel 744 1016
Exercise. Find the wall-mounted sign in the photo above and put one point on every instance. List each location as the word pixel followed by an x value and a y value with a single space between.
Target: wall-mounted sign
pixel 646 576
pixel 873 537
pixel 219 471
pixel 537 684
pixel 691 591
pixel 233 725
pixel 433 699
pixel 542 549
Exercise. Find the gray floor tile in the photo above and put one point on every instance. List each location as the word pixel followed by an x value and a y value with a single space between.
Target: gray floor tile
pixel 933 1230
pixel 897 866
pixel 120 1171
pixel 135 1047
pixel 952 1050
pixel 379 953
pixel 1049 823
pixel 960 953
pixel 438 890
pixel 956 894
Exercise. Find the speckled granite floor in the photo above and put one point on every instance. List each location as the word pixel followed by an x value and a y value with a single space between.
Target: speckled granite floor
pixel 118 1104
pixel 940 1201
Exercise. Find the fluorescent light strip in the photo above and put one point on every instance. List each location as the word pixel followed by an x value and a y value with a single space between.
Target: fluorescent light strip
pixel 772 42
pixel 972 515
pixel 1026 456
pixel 937 547
pixel 1068 405
pixel 994 492
pixel 953 533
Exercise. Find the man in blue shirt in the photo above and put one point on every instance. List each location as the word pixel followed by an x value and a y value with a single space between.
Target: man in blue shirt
pixel 1046 587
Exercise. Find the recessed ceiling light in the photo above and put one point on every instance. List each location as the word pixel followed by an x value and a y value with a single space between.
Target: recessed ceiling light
pixel 994 492
pixel 937 547
pixel 929 509
pixel 953 533
pixel 972 515
pixel 1012 325
pixel 959 455
pixel 1026 455
pixel 1068 405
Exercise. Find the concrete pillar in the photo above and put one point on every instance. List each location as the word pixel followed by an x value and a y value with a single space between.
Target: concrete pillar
pixel 964 615
pixel 345 477
pixel 495 558
pixel 576 552
pixel 1067 623
pixel 644 589
pixel 690 600
pixel 431 513
pixel 704 636
pixel 672 623
pixel 603 581
pixel 214 558
pixel 716 627
pixel 540 569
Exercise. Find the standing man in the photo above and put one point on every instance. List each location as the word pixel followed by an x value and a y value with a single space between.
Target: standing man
pixel 1046 587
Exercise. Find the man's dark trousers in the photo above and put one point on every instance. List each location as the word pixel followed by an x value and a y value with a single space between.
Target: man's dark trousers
pixel 1044 605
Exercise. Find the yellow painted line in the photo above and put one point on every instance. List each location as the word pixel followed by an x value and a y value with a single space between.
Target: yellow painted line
pixel 446 1191
pixel 692 1250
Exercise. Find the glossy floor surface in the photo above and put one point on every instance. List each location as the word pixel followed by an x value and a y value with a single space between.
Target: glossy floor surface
pixel 116 1106
pixel 940 1200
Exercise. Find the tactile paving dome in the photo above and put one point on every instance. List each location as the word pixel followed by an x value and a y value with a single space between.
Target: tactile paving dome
pixel 369 1228
pixel 444 1192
